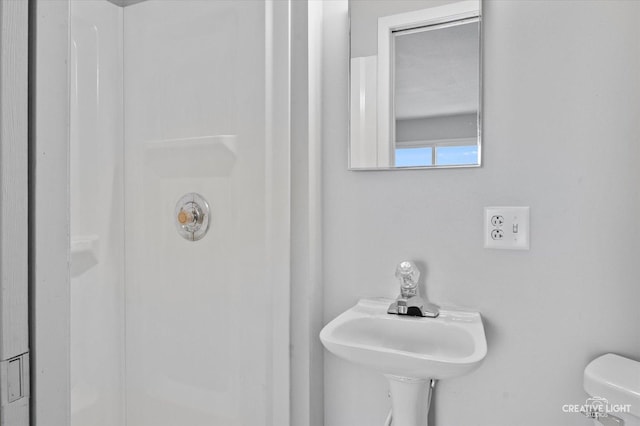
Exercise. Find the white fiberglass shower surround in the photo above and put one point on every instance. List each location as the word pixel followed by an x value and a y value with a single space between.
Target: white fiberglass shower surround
pixel 167 98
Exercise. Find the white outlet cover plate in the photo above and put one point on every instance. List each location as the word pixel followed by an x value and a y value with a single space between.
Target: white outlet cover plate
pixel 506 228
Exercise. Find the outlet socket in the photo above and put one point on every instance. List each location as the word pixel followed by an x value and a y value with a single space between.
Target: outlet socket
pixel 497 220
pixel 497 234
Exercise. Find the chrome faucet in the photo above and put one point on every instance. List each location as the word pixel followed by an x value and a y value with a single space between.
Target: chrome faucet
pixel 409 301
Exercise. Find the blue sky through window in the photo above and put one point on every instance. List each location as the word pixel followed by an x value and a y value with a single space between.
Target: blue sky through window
pixel 445 156
pixel 456 155
pixel 413 157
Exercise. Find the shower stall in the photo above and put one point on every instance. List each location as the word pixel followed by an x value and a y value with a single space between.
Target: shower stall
pixel 164 99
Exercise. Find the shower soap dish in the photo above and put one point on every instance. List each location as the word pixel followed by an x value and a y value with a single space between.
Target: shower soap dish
pixel 84 253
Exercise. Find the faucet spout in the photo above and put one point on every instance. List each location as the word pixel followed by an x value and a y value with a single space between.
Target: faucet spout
pixel 414 306
pixel 409 301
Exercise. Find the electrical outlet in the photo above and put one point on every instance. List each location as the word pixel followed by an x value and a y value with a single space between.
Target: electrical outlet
pixel 497 220
pixel 506 228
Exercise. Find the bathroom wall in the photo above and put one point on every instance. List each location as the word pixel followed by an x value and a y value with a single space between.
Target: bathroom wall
pixel 96 215
pixel 561 108
pixel 207 322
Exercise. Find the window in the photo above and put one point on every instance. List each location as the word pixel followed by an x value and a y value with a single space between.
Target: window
pixel 438 153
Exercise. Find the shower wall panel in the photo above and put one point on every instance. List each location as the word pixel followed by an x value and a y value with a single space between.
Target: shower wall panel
pixel 200 315
pixel 96 213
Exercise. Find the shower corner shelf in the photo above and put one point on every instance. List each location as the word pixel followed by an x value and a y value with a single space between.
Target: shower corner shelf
pixel 84 253
pixel 207 156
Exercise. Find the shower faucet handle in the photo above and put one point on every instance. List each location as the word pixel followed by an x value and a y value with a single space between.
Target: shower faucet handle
pixel 192 216
pixel 185 217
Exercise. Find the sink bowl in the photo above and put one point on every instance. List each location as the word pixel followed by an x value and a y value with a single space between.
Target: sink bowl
pixel 451 345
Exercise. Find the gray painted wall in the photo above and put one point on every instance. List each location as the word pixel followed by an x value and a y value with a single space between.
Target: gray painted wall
pixel 561 134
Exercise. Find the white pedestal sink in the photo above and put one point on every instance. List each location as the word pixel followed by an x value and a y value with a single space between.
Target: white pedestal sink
pixel 409 351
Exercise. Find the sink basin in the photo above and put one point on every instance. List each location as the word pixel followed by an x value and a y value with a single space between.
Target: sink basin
pixel 453 344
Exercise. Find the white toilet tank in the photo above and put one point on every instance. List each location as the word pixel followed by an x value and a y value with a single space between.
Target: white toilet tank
pixel 614 382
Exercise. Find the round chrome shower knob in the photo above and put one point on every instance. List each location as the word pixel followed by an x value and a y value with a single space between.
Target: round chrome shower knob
pixel 192 216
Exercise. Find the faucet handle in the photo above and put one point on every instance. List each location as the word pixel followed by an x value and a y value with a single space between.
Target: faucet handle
pixel 408 274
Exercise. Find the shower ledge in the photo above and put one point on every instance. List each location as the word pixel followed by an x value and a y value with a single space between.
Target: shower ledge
pixel 206 156
pixel 84 253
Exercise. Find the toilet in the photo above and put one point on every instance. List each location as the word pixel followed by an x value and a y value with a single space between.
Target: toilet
pixel 614 382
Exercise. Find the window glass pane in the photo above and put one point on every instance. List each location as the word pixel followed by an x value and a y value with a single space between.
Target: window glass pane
pixel 412 157
pixel 456 155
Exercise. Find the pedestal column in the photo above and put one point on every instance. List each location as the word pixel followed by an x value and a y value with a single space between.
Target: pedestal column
pixel 409 400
